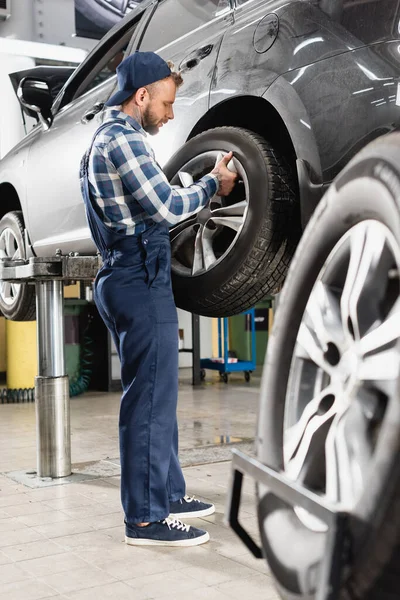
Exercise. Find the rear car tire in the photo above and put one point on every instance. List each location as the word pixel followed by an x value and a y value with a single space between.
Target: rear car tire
pixel 17 301
pixel 327 421
pixel 247 263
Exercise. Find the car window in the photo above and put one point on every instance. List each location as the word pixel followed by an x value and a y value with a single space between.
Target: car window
pixel 176 18
pixel 109 70
pixel 371 20
pixel 107 67
pixel 102 62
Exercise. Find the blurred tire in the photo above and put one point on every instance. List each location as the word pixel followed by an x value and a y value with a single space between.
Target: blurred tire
pixel 317 406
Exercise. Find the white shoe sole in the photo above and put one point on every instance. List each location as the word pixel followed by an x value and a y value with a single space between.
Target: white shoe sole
pixel 202 539
pixel 192 515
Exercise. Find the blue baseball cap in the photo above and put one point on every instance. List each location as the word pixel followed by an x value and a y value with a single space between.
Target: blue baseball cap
pixel 136 71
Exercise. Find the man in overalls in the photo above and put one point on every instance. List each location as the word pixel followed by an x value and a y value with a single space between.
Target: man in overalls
pixel 130 205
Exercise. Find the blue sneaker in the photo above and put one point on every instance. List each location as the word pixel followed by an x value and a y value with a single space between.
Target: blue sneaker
pixel 189 507
pixel 169 532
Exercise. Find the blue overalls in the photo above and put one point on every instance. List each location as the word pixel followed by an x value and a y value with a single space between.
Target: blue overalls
pixel 134 297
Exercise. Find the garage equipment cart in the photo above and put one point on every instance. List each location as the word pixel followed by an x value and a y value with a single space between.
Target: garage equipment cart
pixel 226 364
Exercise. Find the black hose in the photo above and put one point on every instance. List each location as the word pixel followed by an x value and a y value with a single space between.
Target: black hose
pixel 81 384
pixel 17 396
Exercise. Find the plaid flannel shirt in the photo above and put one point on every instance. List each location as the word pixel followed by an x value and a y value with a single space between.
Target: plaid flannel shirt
pixel 129 186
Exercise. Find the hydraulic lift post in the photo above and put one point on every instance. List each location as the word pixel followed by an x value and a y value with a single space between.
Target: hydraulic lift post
pixel 52 383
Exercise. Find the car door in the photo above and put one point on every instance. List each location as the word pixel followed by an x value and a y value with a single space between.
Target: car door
pixel 354 97
pixel 55 209
pixel 189 34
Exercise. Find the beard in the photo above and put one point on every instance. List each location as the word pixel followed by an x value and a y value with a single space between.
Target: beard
pixel 150 122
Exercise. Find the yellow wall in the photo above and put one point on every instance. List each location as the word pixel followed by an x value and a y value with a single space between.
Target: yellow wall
pixel 72 291
pixel 214 325
pixel 2 344
pixel 21 354
pixel 18 351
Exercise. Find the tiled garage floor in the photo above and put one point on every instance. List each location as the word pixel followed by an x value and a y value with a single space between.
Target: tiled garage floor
pixel 66 541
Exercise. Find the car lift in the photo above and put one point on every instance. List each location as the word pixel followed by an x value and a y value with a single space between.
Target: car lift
pixel 49 275
pixel 51 385
pixel 338 539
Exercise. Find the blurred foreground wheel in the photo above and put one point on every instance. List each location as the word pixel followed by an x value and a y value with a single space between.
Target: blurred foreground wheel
pixel 330 407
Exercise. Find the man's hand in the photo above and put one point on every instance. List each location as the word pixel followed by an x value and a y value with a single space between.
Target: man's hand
pixel 226 177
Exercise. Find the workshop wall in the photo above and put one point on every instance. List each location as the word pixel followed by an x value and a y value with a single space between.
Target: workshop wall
pixel 47 21
pixel 2 345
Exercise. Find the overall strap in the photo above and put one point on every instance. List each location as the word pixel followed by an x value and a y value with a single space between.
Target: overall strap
pixel 97 227
pixel 98 130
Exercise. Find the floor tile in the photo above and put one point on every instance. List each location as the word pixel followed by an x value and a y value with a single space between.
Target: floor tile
pixel 69 502
pixel 4 560
pixel 19 536
pixel 11 573
pixel 203 593
pixel 105 521
pixel 107 552
pixel 248 560
pixel 116 533
pixel 8 488
pixel 157 584
pixel 110 591
pixel 14 500
pixel 10 524
pixel 217 570
pixel 62 528
pixel 132 566
pixel 93 510
pixel 32 550
pixel 45 518
pixel 26 590
pixel 258 587
pixel 100 491
pixel 77 579
pixel 95 540
pixel 28 509
pixel 54 564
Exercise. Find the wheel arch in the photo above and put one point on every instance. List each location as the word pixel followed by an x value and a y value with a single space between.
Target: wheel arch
pixel 282 126
pixel 9 199
pixel 253 113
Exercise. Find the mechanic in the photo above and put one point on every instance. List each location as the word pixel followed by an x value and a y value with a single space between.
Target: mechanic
pixel 130 205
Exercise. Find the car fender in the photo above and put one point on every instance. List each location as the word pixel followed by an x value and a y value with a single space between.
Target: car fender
pixel 12 168
pixel 283 97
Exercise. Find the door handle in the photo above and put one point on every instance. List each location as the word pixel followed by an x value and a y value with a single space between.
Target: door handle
pixel 194 59
pixel 90 114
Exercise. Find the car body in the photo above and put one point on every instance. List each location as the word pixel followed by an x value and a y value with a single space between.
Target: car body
pixel 318 79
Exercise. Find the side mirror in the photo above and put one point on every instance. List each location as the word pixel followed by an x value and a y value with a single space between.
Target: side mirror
pixel 35 97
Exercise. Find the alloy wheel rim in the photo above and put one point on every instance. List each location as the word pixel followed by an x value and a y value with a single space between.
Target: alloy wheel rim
pixel 201 242
pixel 344 368
pixel 9 249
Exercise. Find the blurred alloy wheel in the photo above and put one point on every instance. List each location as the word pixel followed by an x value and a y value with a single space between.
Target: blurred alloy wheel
pixel 329 410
